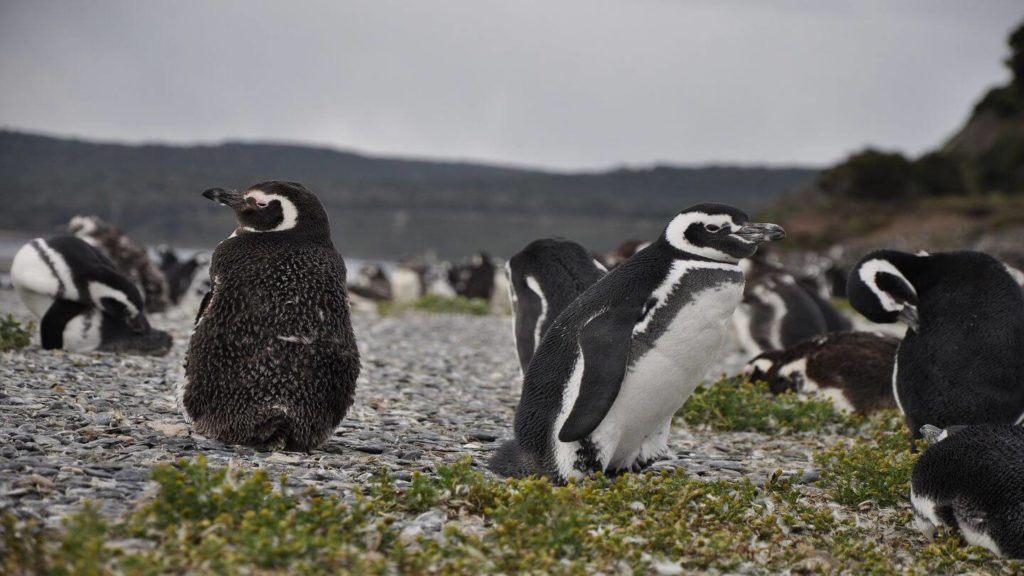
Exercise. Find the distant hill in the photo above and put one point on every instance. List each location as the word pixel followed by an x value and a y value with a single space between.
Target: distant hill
pixel 379 207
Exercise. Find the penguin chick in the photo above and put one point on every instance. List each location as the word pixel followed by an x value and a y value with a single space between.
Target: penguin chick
pixel 273 361
pixel 619 361
pixel 972 479
pixel 543 279
pixel 960 361
pixel 852 369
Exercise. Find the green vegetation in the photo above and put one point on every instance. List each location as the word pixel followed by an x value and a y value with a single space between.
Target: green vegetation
pixel 873 467
pixel 212 520
pixel 438 305
pixel 13 335
pixel 735 404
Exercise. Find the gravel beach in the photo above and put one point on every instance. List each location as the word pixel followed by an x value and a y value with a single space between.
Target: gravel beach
pixel 89 427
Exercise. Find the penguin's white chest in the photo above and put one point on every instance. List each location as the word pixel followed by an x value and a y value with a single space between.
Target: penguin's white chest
pixel 660 381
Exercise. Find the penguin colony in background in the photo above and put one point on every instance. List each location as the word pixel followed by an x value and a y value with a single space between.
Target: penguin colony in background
pixel 972 479
pixel 777 312
pixel 544 278
pixel 616 364
pixel 83 302
pixel 960 361
pixel 852 369
pixel 273 361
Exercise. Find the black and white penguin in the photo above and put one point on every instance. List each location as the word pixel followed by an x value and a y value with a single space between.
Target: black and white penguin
pixel 960 361
pixel 972 478
pixel 180 274
pixel 83 302
pixel 371 283
pixel 129 258
pixel 543 279
pixel 616 364
pixel 776 312
pixel 852 369
pixel 272 362
pixel 475 279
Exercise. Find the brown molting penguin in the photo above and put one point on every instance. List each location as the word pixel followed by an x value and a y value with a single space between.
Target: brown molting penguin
pixel 272 362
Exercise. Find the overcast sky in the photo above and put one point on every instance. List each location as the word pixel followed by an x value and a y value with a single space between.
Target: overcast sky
pixel 552 83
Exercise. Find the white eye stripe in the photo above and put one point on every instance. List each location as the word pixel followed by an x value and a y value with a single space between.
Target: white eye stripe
pixel 289 213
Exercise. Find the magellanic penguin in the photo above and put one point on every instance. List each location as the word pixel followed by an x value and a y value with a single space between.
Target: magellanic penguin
pixel 852 369
pixel 272 362
pixel 960 361
pixel 776 312
pixel 616 364
pixel 84 303
pixel 543 279
pixel 128 257
pixel 972 479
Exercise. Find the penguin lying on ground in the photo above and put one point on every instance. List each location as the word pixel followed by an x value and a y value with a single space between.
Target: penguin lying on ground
pixel 84 303
pixel 544 278
pixel 128 257
pixel 272 362
pixel 617 363
pixel 961 359
pixel 972 479
pixel 776 312
pixel 371 283
pixel 852 369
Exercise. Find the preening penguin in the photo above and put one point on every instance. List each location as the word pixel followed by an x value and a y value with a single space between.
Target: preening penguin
pixel 616 364
pixel 972 479
pixel 544 278
pixel 84 303
pixel 960 361
pixel 272 362
pixel 852 369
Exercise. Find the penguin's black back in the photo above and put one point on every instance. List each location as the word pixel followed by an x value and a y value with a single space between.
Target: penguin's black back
pixel 977 473
pixel 273 359
pixel 85 262
pixel 965 364
pixel 563 270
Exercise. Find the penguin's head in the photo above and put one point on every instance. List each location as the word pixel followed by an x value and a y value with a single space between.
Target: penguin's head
pixel 118 297
pixel 879 289
pixel 767 368
pixel 275 207
pixel 718 232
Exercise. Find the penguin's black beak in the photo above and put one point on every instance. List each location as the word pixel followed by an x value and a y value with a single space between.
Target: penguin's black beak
pixel 229 198
pixel 761 232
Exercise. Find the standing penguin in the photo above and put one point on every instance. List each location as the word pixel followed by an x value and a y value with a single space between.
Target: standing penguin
pixel 616 364
pixel 84 303
pixel 272 362
pixel 972 479
pixel 960 361
pixel 544 278
pixel 852 369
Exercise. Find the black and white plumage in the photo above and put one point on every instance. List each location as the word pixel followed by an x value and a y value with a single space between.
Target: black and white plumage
pixel 961 359
pixel 83 302
pixel 972 479
pixel 776 311
pixel 272 362
pixel 616 364
pixel 474 279
pixel 852 369
pixel 543 279
pixel 181 274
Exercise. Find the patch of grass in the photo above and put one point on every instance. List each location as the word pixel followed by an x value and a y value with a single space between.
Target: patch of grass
pixel 13 335
pixel 873 467
pixel 212 520
pixel 738 405
pixel 432 304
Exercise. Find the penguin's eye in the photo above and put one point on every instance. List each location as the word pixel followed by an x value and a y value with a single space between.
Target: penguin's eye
pixel 712 228
pixel 261 204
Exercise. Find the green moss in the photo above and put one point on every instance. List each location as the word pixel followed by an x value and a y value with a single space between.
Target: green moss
pixel 438 305
pixel 13 335
pixel 873 467
pixel 211 520
pixel 735 404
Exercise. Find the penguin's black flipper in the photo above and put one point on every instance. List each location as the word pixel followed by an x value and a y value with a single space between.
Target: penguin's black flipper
pixel 605 345
pixel 51 328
